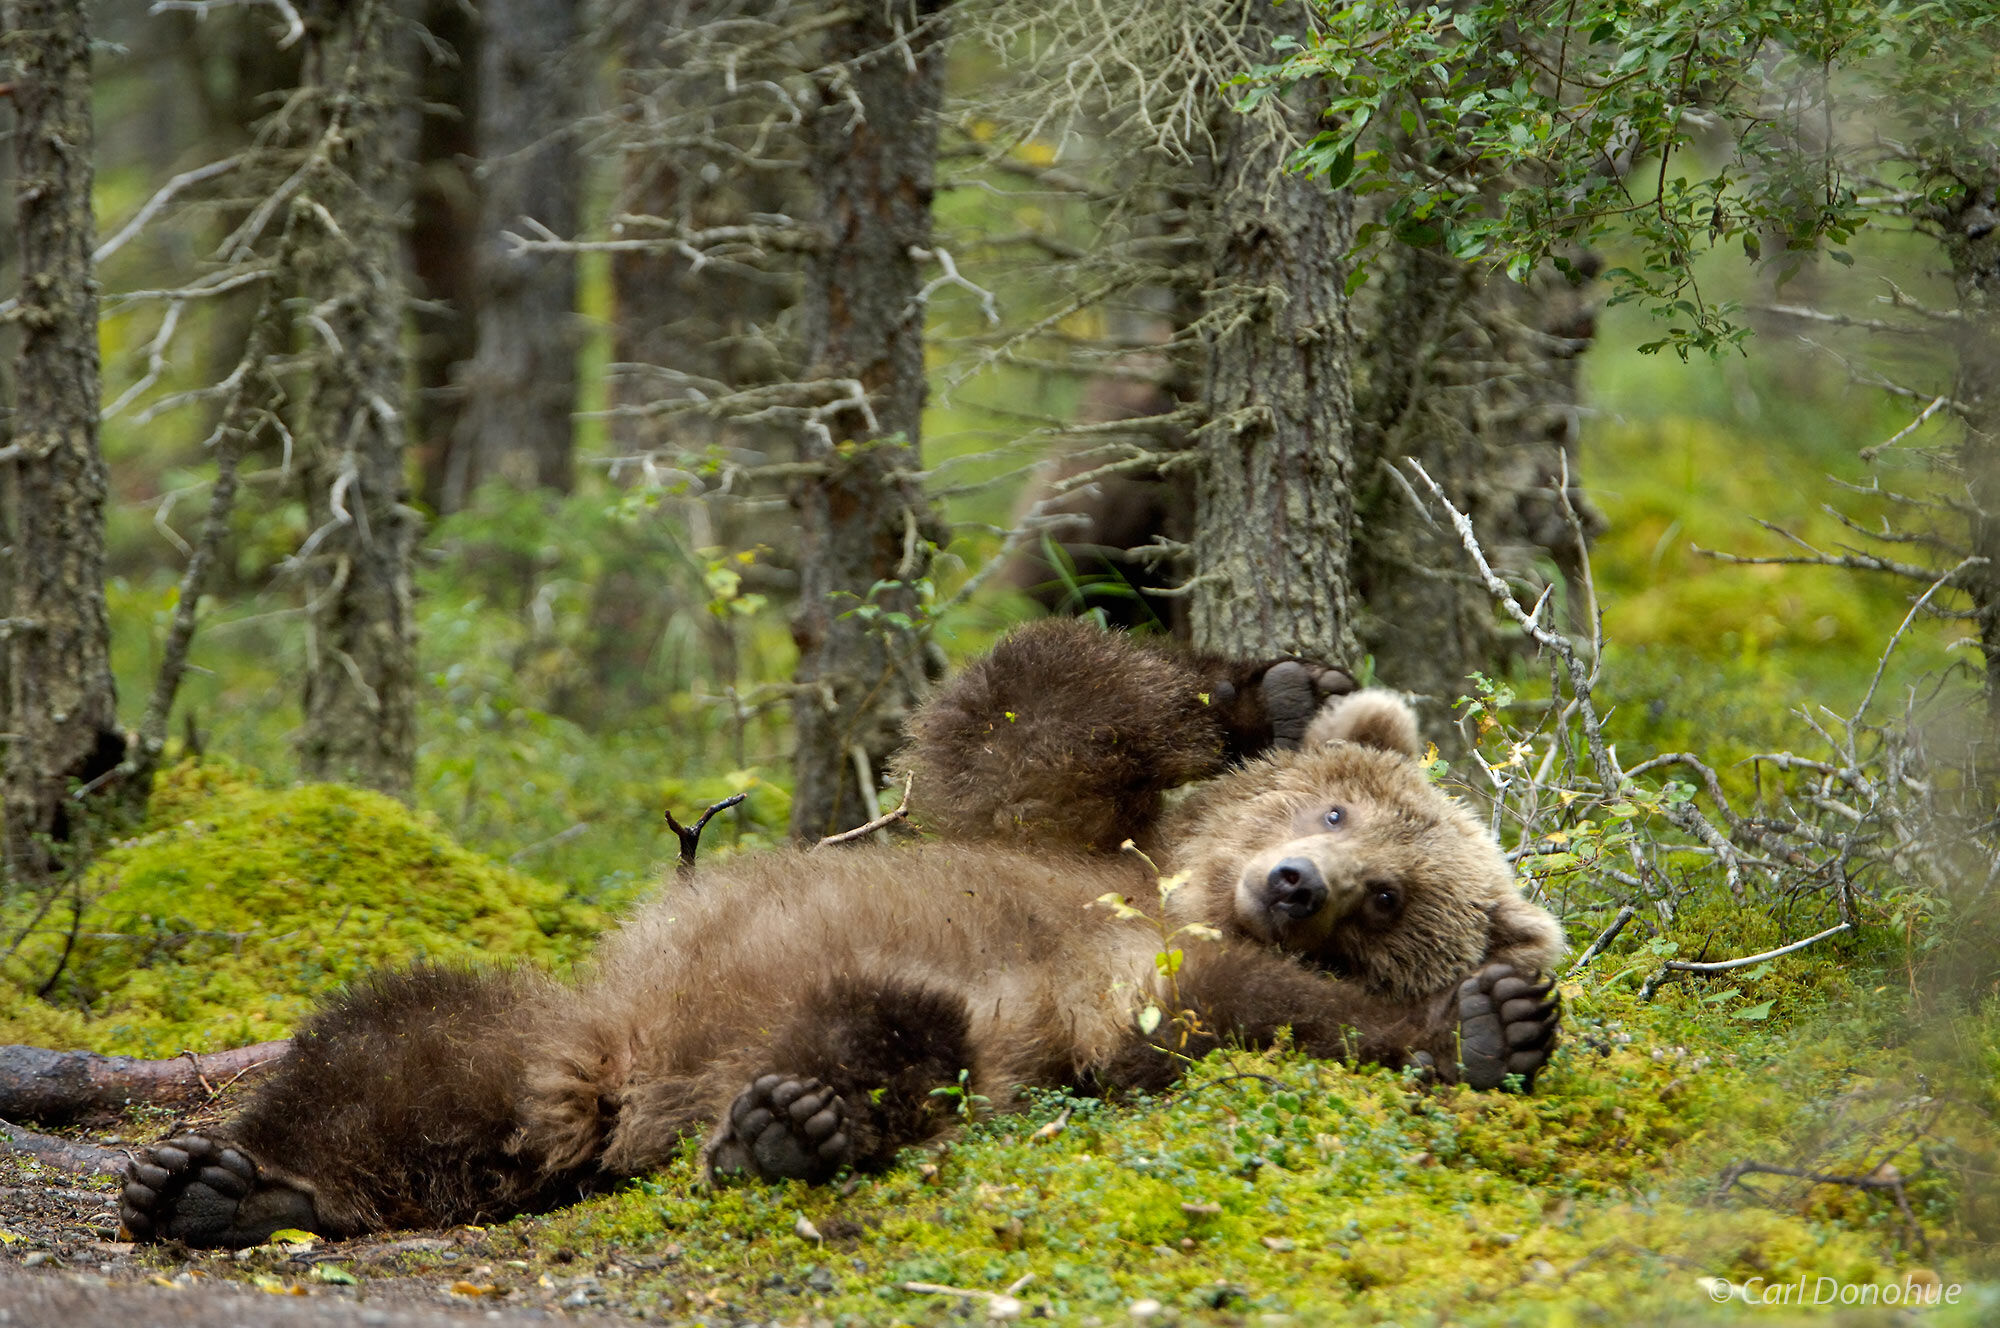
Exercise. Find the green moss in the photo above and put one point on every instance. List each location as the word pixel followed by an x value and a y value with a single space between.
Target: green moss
pixel 1274 1185
pixel 239 905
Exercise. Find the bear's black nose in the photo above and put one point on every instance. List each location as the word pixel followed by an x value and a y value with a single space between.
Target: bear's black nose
pixel 1295 888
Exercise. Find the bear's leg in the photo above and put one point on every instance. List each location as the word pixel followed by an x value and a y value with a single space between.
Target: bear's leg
pixel 394 1107
pixel 847 1080
pixel 1494 1024
pixel 1067 736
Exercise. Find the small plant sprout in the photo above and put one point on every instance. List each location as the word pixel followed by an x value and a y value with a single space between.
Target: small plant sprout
pixel 963 1102
pixel 1168 959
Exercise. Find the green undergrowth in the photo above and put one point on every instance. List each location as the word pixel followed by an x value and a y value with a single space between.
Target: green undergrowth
pixel 238 905
pixel 1273 1185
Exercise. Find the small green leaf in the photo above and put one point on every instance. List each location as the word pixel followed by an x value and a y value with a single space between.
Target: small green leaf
pixel 1341 168
pixel 1168 962
pixel 335 1274
pixel 1149 1019
pixel 1754 1012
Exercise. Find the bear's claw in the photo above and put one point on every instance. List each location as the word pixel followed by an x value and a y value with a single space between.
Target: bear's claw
pixel 203 1192
pixel 781 1128
pixel 1507 1026
pixel 1293 692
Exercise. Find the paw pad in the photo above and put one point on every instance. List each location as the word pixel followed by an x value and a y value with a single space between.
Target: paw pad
pixel 195 1189
pixel 1293 692
pixel 1507 1025
pixel 782 1128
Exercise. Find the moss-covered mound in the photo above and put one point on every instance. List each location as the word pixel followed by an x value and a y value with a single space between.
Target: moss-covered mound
pixel 239 905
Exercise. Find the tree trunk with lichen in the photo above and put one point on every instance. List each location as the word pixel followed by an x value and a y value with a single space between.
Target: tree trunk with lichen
pixel 519 390
pixel 866 531
pixel 1970 232
pixel 1475 378
pixel 1274 483
pixel 360 685
pixel 62 716
pixel 686 328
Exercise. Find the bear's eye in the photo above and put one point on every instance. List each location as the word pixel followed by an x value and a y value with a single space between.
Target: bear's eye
pixel 1334 816
pixel 1384 901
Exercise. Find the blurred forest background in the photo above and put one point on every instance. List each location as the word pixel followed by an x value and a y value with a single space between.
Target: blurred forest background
pixel 464 431
pixel 606 373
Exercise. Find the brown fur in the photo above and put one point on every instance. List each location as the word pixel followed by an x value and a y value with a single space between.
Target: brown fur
pixel 868 978
pixel 1068 737
pixel 1072 736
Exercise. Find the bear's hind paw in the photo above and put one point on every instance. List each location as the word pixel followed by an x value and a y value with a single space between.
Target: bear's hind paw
pixel 1506 1026
pixel 203 1192
pixel 780 1128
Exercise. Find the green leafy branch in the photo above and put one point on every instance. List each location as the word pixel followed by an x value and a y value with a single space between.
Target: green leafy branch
pixel 1512 134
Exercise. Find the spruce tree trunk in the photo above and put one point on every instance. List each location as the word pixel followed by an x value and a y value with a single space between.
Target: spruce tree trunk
pixel 515 422
pixel 444 238
pixel 865 529
pixel 1274 495
pixel 1477 379
pixel 698 110
pixel 62 717
pixel 360 722
pixel 1971 236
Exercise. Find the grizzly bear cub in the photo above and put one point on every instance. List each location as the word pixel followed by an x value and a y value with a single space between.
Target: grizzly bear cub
pixel 800 1009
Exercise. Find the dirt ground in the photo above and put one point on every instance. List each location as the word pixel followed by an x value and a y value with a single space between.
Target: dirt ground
pixel 63 1266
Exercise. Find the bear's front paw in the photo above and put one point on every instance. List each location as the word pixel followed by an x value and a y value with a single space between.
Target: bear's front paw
pixel 202 1192
pixel 1293 691
pixel 1506 1025
pixel 781 1128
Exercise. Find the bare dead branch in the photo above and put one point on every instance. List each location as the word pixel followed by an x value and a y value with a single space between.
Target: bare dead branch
pixel 1673 966
pixel 690 835
pixel 882 822
pixel 1604 938
pixel 1923 417
pixel 71 1155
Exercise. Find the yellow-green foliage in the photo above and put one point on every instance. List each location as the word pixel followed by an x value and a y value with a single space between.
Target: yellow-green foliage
pixel 238 905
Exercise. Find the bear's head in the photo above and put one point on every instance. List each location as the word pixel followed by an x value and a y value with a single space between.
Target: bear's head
pixel 1345 854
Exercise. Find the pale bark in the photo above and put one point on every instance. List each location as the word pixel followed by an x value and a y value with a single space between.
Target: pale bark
pixel 360 722
pixel 865 528
pixel 1274 496
pixel 62 719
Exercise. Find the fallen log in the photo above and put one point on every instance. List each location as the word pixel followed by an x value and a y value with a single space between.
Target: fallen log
pixel 72 1155
pixel 57 1087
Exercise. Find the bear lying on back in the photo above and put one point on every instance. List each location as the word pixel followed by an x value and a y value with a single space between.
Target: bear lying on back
pixel 797 1009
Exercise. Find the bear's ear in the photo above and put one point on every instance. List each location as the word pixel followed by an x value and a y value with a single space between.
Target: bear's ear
pixel 1374 717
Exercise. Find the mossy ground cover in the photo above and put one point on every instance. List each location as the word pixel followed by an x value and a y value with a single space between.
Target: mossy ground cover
pixel 1272 1185
pixel 237 906
pixel 1270 1188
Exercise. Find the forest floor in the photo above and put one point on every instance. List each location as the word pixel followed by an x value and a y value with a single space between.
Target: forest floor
pixel 1268 1190
pixel 62 1265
